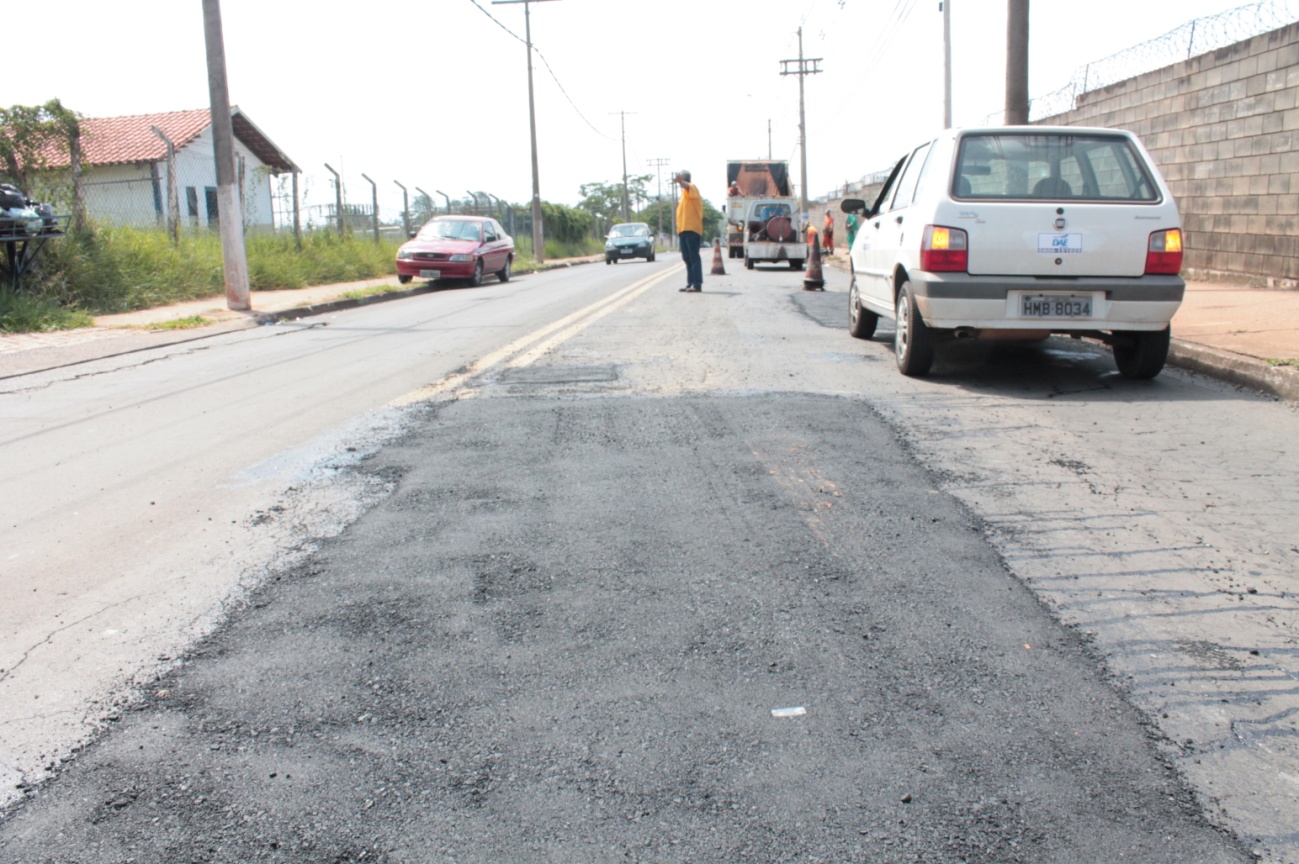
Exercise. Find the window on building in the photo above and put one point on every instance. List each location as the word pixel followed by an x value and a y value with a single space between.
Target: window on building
pixel 191 203
pixel 213 217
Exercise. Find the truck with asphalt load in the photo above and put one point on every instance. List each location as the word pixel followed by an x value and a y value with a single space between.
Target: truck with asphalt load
pixel 762 218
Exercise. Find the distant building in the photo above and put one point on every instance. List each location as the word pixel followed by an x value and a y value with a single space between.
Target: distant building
pixel 124 168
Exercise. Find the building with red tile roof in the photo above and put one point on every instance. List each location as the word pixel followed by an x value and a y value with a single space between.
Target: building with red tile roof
pixel 126 170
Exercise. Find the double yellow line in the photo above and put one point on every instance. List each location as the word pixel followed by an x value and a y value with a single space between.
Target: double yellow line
pixel 526 349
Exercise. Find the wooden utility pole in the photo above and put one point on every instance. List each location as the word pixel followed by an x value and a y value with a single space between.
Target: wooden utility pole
pixel 538 235
pixel 229 214
pixel 806 66
pixel 1016 62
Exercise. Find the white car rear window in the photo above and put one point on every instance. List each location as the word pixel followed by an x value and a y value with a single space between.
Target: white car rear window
pixel 1056 167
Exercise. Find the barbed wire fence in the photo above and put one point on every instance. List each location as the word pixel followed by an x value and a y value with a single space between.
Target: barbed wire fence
pixel 1198 36
pixel 1195 37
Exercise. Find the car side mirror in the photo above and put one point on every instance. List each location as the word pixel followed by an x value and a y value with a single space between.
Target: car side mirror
pixel 413 235
pixel 853 205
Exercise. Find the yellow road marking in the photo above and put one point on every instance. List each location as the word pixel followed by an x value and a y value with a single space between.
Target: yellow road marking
pixel 526 349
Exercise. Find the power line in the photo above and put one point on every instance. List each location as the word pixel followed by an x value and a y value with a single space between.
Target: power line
pixel 578 111
pixel 498 23
pixel 901 12
pixel 546 63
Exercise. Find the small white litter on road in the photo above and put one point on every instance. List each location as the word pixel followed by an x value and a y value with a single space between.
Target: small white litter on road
pixel 788 712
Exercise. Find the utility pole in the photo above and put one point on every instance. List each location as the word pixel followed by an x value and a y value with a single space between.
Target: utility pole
pixel 658 173
pixel 538 235
pixel 626 213
pixel 946 6
pixel 768 139
pixel 1016 62
pixel 230 217
pixel 806 66
pixel 657 165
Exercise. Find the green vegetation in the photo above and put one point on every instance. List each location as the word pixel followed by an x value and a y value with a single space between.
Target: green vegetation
pixel 604 200
pixel 362 293
pixel 32 313
pixel 189 322
pixel 117 269
pixel 1283 361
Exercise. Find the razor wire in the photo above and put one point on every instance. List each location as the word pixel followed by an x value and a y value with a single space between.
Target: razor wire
pixel 1195 37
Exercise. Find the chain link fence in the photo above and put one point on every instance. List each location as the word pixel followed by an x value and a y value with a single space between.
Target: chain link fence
pixel 140 196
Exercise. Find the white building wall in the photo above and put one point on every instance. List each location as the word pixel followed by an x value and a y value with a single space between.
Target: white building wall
pixel 137 194
pixel 196 169
pixel 120 194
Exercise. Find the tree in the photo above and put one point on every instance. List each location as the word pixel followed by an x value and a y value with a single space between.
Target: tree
pixel 25 133
pixel 421 210
pixel 604 200
pixel 666 209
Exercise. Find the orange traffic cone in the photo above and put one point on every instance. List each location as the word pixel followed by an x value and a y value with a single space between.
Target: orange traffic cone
pixel 814 280
pixel 719 269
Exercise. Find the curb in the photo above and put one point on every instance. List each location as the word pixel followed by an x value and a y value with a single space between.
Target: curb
pixel 1279 381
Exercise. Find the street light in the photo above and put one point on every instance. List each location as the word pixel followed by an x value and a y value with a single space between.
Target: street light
pixel 538 238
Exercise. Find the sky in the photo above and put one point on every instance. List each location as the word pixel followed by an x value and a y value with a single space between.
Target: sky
pixel 433 93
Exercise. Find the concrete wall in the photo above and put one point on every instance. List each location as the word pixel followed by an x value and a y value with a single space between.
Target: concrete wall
pixel 1224 129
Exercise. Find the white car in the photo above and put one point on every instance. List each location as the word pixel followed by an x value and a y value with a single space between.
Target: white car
pixel 1017 233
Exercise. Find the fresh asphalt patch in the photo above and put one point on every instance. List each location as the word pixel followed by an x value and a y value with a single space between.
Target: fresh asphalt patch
pixel 634 629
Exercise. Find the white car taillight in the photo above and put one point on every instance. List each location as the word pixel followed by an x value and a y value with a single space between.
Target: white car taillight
pixel 944 249
pixel 1164 254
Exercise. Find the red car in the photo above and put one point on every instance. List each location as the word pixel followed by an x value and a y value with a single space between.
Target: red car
pixel 457 247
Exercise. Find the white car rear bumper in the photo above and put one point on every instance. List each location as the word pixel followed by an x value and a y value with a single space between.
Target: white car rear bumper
pixel 948 301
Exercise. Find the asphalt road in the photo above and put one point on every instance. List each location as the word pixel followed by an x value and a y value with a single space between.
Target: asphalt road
pixel 588 556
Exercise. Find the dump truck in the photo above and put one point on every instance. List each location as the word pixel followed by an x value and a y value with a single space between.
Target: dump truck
pixel 762 218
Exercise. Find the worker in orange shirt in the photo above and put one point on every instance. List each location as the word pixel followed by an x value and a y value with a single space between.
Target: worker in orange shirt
pixel 829 233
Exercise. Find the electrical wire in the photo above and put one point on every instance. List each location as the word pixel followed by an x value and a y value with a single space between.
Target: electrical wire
pixel 897 18
pixel 545 63
pixel 498 23
pixel 578 111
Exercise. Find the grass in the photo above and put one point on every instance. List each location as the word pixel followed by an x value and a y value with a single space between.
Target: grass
pixel 362 293
pixel 121 269
pixel 33 313
pixel 1292 362
pixel 187 323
